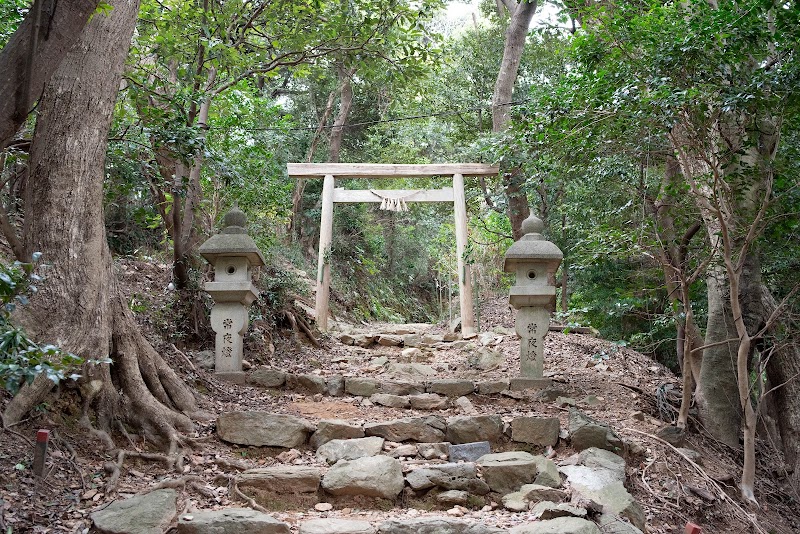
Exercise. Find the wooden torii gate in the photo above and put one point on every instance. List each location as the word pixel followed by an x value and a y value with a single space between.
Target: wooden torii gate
pixel 332 195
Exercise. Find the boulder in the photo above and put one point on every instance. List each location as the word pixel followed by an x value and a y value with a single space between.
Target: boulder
pixel 468 429
pixel 506 472
pixel 436 525
pixel 469 452
pixel 562 525
pixel 360 387
pixel 605 487
pixel 372 476
pixel 267 377
pixel 263 429
pixel 349 449
pixel 541 431
pixel 548 474
pixel 390 401
pixel 429 401
pixel 334 429
pixel 429 429
pixel 204 359
pixel 336 526
pixel 230 521
pixel 150 513
pixel 451 387
pixel 586 432
pixel 282 479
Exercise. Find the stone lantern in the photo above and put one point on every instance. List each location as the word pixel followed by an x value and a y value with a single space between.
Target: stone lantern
pixel 534 260
pixel 233 254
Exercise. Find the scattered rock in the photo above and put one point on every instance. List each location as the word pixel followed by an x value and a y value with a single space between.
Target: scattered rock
pixel 410 354
pixel 585 432
pixel 468 429
pixel 673 435
pixel 486 359
pixel 374 476
pixel 548 474
pixel 404 451
pixel 150 513
pixel 335 386
pixel 450 476
pixel 563 402
pixel 411 371
pixel 263 429
pixel 230 521
pixel 536 493
pixel 323 507
pixel 349 449
pixel 204 359
pixel 453 497
pixel 465 406
pixel 430 451
pixel 515 502
pixel 692 454
pixel 390 340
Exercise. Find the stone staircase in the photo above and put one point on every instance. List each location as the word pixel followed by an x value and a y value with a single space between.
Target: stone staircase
pixel 515 471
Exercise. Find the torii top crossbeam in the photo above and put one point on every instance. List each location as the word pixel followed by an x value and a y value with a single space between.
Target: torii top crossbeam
pixel 330 171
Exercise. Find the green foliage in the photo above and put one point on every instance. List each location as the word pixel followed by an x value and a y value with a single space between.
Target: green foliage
pixel 21 358
pixel 11 14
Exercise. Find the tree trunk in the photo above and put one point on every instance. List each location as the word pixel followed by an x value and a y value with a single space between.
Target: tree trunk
pixel 32 55
pixel 346 101
pixel 79 306
pixel 783 372
pixel 513 179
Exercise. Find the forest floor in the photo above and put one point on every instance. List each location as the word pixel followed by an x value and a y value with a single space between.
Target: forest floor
pixel 616 385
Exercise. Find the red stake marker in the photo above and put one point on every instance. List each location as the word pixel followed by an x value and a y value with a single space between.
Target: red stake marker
pixel 691 528
pixel 40 452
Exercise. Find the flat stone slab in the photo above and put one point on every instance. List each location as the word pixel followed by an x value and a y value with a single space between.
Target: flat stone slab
pixel 267 377
pixel 429 429
pixel 451 387
pixel 429 401
pixel 230 521
pixel 492 387
pixel 334 429
pixel 373 476
pixel 436 525
pixel 562 525
pixel 282 479
pixel 263 429
pixel 336 526
pixel 150 513
pixel 400 388
pixel 521 383
pixel 349 449
pixel 361 387
pixel 450 476
pixel 389 400
pixel 469 452
pixel 469 429
pixel 536 430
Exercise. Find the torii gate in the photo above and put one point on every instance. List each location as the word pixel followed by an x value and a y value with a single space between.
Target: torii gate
pixel 332 195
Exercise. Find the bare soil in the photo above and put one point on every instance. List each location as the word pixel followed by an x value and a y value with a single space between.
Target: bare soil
pixel 614 384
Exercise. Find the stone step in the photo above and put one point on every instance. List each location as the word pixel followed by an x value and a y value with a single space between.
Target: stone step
pixel 417 392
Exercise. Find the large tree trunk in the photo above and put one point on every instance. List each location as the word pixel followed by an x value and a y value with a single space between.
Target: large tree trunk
pixel 32 55
pixel 516 33
pixel 346 101
pixel 79 306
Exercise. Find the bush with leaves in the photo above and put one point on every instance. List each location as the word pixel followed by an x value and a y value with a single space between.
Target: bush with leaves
pixel 21 358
